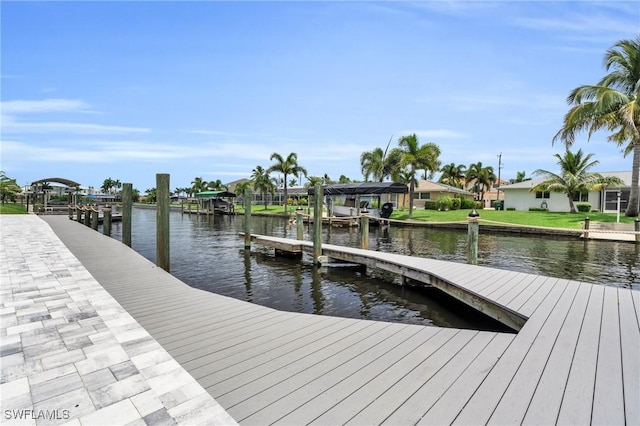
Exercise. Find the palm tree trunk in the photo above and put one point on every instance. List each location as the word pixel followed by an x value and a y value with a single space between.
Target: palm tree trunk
pixel 411 188
pixel 632 207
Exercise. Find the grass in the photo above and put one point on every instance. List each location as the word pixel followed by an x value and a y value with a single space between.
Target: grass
pixel 13 209
pixel 512 217
pixel 544 219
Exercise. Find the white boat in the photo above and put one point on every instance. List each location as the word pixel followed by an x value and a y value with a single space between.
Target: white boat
pixel 350 199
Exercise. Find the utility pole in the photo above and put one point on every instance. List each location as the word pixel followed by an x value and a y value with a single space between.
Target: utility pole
pixel 499 170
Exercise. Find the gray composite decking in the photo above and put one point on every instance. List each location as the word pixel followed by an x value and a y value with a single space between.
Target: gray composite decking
pixel 576 359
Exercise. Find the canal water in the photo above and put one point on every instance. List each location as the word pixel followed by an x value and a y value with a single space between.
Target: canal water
pixel 208 253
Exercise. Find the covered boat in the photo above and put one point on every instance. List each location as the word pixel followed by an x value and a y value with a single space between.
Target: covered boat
pixel 349 199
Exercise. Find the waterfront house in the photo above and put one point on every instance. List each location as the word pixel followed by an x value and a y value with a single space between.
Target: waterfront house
pixel 519 196
pixel 428 190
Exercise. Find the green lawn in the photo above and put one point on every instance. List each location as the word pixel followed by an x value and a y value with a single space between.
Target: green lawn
pixel 545 219
pixel 13 209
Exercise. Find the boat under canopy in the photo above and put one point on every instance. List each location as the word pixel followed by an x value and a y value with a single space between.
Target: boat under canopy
pixel 215 194
pixel 363 188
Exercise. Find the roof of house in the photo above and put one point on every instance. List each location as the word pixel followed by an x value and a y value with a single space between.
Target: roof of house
pixel 429 186
pixel 528 184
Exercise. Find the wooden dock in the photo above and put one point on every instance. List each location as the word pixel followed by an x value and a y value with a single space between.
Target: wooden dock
pixel 574 360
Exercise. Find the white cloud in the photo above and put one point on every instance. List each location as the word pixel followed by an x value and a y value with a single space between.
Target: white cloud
pixel 45 105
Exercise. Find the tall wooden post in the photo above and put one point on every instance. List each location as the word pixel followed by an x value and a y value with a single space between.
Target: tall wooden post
pixel 79 211
pixel 474 229
pixel 247 218
pixel 364 231
pixel 162 221
pixel 127 204
pixel 94 219
pixel 317 223
pixel 637 229
pixel 70 209
pixel 106 221
pixel 87 216
pixel 299 225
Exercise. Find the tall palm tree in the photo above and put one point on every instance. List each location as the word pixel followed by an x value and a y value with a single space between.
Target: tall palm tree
pixel 263 183
pixel 217 185
pixel 380 163
pixel 613 104
pixel 574 177
pixel 198 185
pixel 286 166
pixel 453 174
pixel 480 178
pixel 417 157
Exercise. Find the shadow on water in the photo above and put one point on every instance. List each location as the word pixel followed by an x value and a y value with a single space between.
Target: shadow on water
pixel 207 253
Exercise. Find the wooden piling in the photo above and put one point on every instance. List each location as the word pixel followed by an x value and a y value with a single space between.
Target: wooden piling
pixel 586 227
pixel 79 211
pixel 70 210
pixel 247 218
pixel 87 216
pixel 94 219
pixel 317 223
pixel 127 205
pixel 106 220
pixel 474 230
pixel 637 229
pixel 364 231
pixel 299 225
pixel 162 221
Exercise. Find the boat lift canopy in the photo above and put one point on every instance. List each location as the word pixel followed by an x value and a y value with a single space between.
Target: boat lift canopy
pixel 215 194
pixel 363 188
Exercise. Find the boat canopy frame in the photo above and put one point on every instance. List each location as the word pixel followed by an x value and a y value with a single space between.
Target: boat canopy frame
pixel 363 188
pixel 215 194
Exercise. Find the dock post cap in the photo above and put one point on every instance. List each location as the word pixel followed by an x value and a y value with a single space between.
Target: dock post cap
pixel 473 213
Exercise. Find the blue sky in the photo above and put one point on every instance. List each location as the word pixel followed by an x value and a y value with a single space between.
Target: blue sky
pixel 92 90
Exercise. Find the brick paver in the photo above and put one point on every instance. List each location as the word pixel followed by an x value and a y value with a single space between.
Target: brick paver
pixel 70 354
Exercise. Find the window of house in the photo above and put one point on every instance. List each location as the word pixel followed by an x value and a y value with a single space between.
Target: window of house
pixel 581 197
pixel 421 195
pixel 542 194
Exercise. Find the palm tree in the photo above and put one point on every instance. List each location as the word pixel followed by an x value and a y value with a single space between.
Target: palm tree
pixel 199 185
pixel 416 157
pixel 8 187
pixel 453 174
pixel 288 166
pixel 613 104
pixel 481 178
pixel 263 183
pixel 574 177
pixel 217 185
pixel 380 163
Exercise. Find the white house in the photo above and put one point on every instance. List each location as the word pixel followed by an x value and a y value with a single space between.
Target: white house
pixel 520 197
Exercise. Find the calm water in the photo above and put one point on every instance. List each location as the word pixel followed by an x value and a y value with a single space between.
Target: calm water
pixel 209 254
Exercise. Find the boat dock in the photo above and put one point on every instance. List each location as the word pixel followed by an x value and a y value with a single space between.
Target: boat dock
pixel 575 358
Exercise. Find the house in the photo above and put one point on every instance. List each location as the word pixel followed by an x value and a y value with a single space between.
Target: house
pixel 428 190
pixel 520 197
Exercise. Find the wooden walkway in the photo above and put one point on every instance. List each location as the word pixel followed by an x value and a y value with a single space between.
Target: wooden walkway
pixel 576 359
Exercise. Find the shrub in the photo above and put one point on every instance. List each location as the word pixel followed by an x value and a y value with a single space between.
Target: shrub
pixel 467 204
pixel 538 209
pixel 444 203
pixel 430 205
pixel 583 207
pixel 477 205
pixel 303 201
pixel 511 209
pixel 455 203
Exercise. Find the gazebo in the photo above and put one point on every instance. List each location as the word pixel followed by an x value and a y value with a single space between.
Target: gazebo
pixel 37 188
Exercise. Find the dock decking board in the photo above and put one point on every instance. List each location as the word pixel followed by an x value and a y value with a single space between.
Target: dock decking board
pixel 575 360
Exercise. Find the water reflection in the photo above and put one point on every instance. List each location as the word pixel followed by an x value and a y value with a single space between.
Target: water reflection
pixel 207 253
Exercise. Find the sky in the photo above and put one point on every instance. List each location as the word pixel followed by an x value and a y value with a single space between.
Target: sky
pixel 126 90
